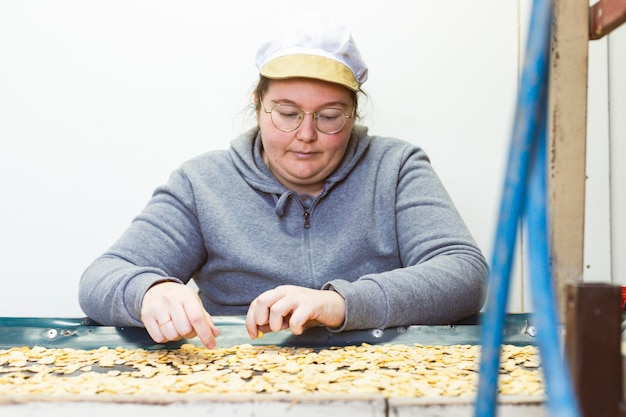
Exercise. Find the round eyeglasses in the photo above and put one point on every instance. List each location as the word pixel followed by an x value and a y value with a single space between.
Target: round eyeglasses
pixel 287 118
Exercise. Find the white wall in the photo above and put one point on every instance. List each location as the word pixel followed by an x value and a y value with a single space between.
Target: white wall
pixel 100 101
pixel 597 262
pixel 605 210
pixel 617 101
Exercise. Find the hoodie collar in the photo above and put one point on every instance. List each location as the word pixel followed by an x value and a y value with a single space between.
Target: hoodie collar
pixel 246 154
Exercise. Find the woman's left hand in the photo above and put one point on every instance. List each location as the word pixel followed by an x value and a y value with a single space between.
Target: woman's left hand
pixel 295 308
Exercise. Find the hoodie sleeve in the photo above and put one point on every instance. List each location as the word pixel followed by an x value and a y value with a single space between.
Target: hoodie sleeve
pixel 443 273
pixel 163 243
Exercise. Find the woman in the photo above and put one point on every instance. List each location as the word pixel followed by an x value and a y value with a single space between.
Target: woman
pixel 306 220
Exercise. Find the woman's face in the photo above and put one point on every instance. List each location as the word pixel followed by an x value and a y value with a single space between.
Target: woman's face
pixel 303 158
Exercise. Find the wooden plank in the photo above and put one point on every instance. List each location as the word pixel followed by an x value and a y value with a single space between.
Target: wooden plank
pixel 567 142
pixel 261 406
pixel 508 406
pixel 243 406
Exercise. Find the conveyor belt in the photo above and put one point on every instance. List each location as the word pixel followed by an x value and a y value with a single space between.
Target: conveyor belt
pixel 83 333
pixel 41 386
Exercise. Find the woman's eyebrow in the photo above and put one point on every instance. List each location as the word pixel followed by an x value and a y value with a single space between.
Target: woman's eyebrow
pixel 337 103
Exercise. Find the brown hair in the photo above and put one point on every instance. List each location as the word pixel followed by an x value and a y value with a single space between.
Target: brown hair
pixel 264 83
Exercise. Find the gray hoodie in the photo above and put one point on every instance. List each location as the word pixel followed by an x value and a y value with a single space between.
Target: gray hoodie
pixel 383 233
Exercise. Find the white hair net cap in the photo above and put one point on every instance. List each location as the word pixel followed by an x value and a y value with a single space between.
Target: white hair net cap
pixel 312 47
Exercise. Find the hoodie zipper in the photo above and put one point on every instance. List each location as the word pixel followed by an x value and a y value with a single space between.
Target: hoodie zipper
pixel 307 219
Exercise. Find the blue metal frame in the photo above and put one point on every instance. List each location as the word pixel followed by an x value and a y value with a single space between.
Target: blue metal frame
pixel 525 196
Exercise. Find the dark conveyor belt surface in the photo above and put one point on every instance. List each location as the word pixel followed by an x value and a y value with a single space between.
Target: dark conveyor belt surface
pixel 82 333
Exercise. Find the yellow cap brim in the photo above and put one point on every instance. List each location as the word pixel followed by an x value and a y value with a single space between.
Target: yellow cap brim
pixel 310 66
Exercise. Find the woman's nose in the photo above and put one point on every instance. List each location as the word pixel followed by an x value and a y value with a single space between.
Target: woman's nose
pixel 307 130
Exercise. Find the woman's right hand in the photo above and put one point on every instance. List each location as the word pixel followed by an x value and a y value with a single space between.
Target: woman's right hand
pixel 172 311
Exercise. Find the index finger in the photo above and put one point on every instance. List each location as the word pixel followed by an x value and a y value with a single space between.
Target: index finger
pixel 259 311
pixel 202 324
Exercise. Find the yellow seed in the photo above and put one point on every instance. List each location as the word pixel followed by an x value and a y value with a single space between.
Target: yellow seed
pixel 392 370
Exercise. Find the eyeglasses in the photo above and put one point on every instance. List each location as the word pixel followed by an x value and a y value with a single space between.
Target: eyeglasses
pixel 287 118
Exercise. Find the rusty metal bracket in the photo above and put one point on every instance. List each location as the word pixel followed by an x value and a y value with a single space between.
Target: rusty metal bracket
pixel 605 16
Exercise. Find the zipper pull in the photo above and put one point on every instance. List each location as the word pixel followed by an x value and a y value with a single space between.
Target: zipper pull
pixel 307 222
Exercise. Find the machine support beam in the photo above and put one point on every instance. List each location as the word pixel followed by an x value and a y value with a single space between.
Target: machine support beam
pixel 593 344
pixel 567 137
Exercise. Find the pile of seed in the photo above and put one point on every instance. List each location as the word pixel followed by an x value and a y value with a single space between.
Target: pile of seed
pixel 390 370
